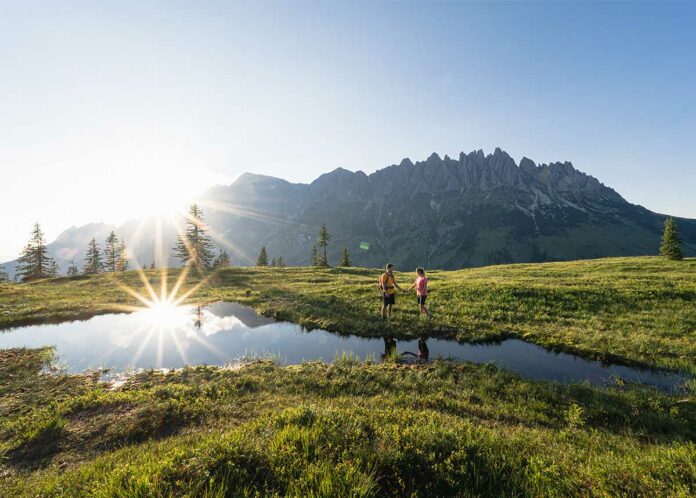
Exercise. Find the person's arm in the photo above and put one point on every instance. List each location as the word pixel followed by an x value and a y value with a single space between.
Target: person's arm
pixel 412 287
pixel 398 286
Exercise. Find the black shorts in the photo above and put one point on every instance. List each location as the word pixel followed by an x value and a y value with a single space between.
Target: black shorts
pixel 389 298
pixel 421 300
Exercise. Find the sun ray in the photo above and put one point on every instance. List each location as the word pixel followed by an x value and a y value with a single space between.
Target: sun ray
pixel 179 282
pixel 200 339
pixel 160 348
pixel 179 347
pixel 143 345
pixel 218 238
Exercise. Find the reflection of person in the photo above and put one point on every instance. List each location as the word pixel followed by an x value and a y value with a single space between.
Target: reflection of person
pixel 423 351
pixel 421 286
pixel 387 283
pixel 389 347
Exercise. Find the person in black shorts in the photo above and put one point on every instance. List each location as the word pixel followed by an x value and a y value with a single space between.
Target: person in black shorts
pixel 421 286
pixel 387 284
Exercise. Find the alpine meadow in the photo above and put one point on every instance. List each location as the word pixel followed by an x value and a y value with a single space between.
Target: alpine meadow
pixel 231 264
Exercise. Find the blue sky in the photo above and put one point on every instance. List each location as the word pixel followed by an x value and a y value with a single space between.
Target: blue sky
pixel 113 109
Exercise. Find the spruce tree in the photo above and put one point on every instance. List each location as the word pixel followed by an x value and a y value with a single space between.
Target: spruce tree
pixel 194 246
pixel 274 262
pixel 671 242
pixel 3 275
pixel 72 269
pixel 222 260
pixel 122 264
pixel 345 258
pixel 34 262
pixel 112 254
pixel 262 260
pixel 314 259
pixel 281 263
pixel 53 269
pixel 93 259
pixel 152 265
pixel 323 241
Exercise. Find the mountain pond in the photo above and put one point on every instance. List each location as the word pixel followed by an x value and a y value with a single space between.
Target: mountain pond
pixel 224 333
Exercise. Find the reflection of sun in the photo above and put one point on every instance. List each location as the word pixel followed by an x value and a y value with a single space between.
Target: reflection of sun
pixel 166 314
pixel 166 320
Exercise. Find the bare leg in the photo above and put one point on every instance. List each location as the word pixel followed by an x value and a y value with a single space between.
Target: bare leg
pixel 389 311
pixel 384 311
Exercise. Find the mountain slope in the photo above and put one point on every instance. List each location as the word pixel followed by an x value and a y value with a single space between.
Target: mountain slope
pixel 440 213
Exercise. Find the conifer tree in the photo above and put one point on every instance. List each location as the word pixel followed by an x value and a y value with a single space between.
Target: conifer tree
pixel 34 262
pixel 314 259
pixel 152 265
pixel 194 246
pixel 671 242
pixel 262 260
pixel 345 257
pixel 112 254
pixel 3 275
pixel 93 259
pixel 122 264
pixel 53 269
pixel 222 260
pixel 323 242
pixel 274 262
pixel 281 263
pixel 72 269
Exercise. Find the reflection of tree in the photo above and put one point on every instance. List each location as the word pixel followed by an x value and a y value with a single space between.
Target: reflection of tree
pixel 197 317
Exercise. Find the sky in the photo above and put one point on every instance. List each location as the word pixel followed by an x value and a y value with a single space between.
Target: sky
pixel 113 110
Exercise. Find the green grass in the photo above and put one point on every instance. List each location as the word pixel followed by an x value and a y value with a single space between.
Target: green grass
pixel 356 428
pixel 629 310
pixel 346 429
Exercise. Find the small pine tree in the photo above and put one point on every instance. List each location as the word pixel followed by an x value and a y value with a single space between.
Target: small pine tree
pixel 53 269
pixel 222 260
pixel 3 275
pixel 323 241
pixel 274 262
pixel 345 257
pixel 93 259
pixel 262 260
pixel 194 246
pixel 281 263
pixel 122 264
pixel 314 259
pixel 152 266
pixel 671 242
pixel 34 262
pixel 72 269
pixel 112 254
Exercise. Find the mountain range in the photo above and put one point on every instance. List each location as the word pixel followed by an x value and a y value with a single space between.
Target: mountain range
pixel 443 213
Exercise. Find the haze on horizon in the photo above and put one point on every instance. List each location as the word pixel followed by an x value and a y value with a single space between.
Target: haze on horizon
pixel 114 110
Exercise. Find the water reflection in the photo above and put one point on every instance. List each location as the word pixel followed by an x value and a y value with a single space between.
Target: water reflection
pixel 171 337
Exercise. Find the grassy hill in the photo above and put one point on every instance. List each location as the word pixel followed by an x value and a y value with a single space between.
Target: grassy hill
pixel 631 310
pixel 362 429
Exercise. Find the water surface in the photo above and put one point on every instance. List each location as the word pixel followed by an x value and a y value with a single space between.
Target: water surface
pixel 228 332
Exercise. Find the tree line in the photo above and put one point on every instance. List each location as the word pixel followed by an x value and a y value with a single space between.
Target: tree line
pixel 194 246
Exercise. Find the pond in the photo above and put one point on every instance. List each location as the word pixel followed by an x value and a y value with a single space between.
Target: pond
pixel 222 333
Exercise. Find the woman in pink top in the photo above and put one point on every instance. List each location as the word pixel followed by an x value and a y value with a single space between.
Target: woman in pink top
pixel 421 286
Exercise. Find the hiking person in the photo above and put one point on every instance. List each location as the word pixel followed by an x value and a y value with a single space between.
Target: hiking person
pixel 387 283
pixel 421 286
